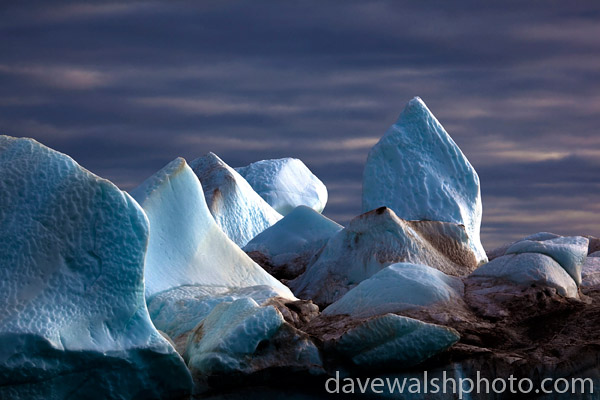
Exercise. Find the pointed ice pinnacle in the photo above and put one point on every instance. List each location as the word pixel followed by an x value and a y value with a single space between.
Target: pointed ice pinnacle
pixel 418 171
pixel 186 246
pixel 236 207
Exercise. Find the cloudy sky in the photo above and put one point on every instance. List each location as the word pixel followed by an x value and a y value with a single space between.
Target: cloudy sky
pixel 125 87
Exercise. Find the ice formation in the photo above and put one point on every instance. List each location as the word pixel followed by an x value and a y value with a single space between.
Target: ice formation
pixel 177 311
pixel 393 340
pixel 529 268
pixel 569 251
pixel 236 207
pixel 186 246
pixel 417 170
pixel 285 184
pixel 229 336
pixel 396 288
pixel 74 322
pixel 373 241
pixel 590 272
pixel 290 244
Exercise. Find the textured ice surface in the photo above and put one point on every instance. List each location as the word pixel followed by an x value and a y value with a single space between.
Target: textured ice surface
pixel 418 171
pixel 392 340
pixel 590 272
pixel 236 207
pixel 186 246
pixel 569 251
pixel 285 184
pixel 373 241
pixel 398 287
pixel 541 236
pixel 74 322
pixel 529 268
pixel 295 238
pixel 228 337
pixel 179 310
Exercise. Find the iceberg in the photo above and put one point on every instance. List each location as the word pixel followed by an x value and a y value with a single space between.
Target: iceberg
pixel 74 322
pixel 394 341
pixel 417 170
pixel 569 252
pixel 529 268
pixel 179 310
pixel 227 338
pixel 376 239
pixel 186 246
pixel 236 207
pixel 285 184
pixel 289 245
pixel 397 288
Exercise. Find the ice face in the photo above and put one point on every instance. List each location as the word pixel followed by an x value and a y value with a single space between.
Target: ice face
pixel 569 252
pixel 71 270
pixel 229 335
pixel 373 241
pixel 528 268
pixel 396 288
pixel 418 171
pixel 186 246
pixel 178 311
pixel 295 239
pixel 590 272
pixel 298 230
pixel 285 184
pixel 236 207
pixel 393 340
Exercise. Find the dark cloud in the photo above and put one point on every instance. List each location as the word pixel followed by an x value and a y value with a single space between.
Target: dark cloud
pixel 126 87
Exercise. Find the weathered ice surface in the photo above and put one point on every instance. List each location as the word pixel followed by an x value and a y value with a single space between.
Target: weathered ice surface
pixel 418 171
pixel 393 340
pixel 570 252
pixel 527 269
pixel 74 322
pixel 287 247
pixel 242 338
pixel 236 207
pixel 373 241
pixel 186 246
pixel 177 311
pixel 228 337
pixel 590 272
pixel 397 288
pixel 285 184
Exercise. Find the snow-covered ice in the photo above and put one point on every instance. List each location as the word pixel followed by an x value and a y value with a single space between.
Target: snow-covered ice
pixel 373 241
pixel 393 340
pixel 285 184
pixel 569 251
pixel 417 170
pixel 74 322
pixel 294 240
pixel 186 246
pixel 236 207
pixel 529 268
pixel 229 336
pixel 396 288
